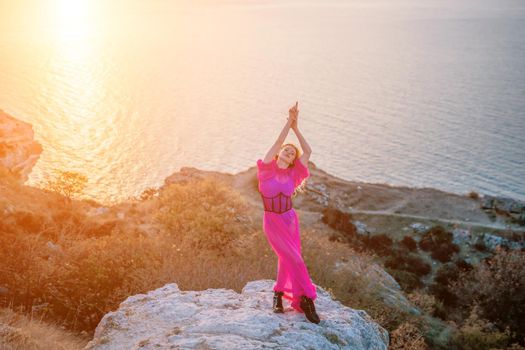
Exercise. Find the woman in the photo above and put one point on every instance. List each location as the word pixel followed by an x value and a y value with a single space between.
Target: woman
pixel 279 174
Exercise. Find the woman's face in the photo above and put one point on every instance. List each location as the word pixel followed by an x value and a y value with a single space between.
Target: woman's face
pixel 287 154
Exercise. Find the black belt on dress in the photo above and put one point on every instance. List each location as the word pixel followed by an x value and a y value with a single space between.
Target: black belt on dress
pixel 275 204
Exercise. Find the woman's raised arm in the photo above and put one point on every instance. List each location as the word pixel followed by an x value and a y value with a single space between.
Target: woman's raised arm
pixel 307 150
pixel 282 136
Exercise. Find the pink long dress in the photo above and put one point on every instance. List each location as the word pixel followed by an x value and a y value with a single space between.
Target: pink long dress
pixel 282 230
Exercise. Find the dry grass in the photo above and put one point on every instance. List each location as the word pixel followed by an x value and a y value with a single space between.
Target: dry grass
pixel 407 337
pixel 19 332
pixel 425 302
pixel 203 214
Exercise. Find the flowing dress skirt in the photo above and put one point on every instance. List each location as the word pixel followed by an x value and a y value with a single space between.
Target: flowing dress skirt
pixel 282 233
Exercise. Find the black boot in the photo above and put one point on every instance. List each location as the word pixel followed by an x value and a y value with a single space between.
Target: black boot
pixel 278 302
pixel 308 307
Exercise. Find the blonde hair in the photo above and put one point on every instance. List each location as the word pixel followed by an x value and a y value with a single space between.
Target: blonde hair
pixel 302 187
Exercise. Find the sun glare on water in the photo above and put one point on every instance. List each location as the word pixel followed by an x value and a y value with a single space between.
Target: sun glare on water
pixel 72 19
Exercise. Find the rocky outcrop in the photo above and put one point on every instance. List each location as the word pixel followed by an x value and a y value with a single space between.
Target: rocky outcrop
pixel 506 206
pixel 492 241
pixel 380 283
pixel 168 318
pixel 419 227
pixel 18 150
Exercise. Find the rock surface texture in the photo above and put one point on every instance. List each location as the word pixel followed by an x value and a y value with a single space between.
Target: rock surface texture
pixel 168 318
pixel 18 150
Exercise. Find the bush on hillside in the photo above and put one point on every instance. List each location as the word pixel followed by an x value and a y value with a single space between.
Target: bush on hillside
pixel 447 273
pixel 67 217
pixel 24 221
pixel 444 252
pixel 202 213
pixel 440 287
pixel 98 229
pixel 473 195
pixel 149 193
pixel 463 265
pixel 381 244
pixel 435 236
pixel 427 303
pixel 8 177
pixel 438 241
pixel 477 333
pixel 74 281
pixel 408 243
pixel 497 285
pixel 408 262
pixel 480 246
pixel 339 220
pixel 67 183
pixel 407 280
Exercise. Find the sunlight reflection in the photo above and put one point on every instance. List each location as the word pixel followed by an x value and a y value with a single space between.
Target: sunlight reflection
pixel 78 91
pixel 73 19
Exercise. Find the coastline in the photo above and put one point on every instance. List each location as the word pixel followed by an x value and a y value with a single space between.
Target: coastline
pixel 386 208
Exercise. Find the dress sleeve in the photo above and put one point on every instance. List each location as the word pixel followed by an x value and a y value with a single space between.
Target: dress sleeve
pixel 265 170
pixel 300 172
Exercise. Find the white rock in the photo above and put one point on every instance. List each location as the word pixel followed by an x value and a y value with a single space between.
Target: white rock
pixel 461 236
pixel 319 192
pixel 492 241
pixel 168 318
pixel 361 227
pixel 55 248
pixel 419 227
pixel 97 211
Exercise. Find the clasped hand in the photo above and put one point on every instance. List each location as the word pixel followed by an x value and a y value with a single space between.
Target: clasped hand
pixel 293 115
